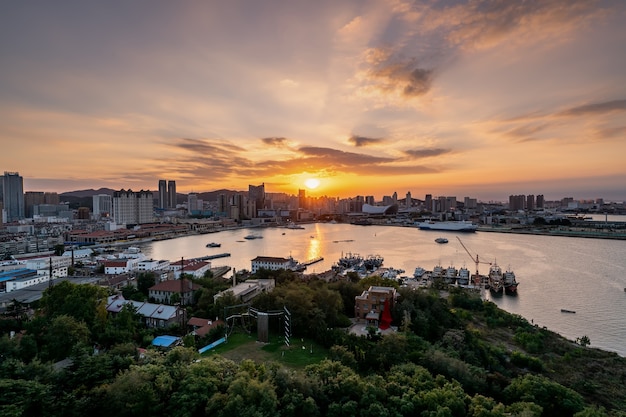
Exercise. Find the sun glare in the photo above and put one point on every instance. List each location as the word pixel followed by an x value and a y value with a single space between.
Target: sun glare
pixel 312 183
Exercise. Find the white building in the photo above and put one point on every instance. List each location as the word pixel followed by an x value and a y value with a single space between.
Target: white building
pixel 191 267
pixel 121 266
pixel 102 206
pixel 20 283
pixel 159 267
pixel 270 262
pixel 133 207
pixel 60 265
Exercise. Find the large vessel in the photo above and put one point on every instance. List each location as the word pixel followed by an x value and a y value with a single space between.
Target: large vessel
pixel 464 276
pixel 510 283
pixel 452 226
pixel 496 281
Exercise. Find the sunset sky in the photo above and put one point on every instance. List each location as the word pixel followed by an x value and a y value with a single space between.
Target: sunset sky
pixel 465 98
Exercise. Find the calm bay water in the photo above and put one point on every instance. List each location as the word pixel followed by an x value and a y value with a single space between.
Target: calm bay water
pixel 584 275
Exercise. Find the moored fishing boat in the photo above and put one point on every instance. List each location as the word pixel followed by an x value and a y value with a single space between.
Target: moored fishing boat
pixel 510 283
pixel 464 276
pixel 496 284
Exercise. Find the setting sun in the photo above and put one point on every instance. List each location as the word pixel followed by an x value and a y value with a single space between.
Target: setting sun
pixel 312 183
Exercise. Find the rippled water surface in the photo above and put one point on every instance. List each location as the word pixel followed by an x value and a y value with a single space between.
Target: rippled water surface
pixel 584 275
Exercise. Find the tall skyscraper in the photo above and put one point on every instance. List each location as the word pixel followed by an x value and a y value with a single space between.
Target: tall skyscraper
pixel 302 199
pixel 13 196
pixel 256 193
pixel 171 194
pixel 162 195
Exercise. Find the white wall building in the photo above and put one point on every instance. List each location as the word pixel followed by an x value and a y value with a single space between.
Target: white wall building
pixel 133 207
pixel 102 206
pixel 270 262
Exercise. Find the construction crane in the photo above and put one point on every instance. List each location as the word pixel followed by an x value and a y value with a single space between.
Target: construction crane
pixel 477 261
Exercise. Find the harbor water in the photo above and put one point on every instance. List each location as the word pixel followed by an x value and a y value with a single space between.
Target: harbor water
pixel 587 276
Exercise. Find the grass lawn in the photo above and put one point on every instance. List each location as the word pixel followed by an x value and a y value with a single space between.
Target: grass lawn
pixel 240 346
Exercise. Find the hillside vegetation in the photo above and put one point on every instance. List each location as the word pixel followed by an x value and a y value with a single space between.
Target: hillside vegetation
pixel 451 356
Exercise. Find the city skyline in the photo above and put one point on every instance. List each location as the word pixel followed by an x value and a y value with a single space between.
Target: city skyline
pixel 481 99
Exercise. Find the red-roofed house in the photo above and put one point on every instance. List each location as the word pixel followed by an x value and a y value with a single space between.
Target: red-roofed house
pixel 191 267
pixel 201 327
pixel 163 291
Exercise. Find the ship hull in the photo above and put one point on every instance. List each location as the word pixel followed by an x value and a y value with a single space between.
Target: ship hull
pixel 461 226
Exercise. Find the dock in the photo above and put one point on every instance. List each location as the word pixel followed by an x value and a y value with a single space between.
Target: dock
pixel 312 261
pixel 209 257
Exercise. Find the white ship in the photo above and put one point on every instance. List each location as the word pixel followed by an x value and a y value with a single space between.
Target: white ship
pixel 453 226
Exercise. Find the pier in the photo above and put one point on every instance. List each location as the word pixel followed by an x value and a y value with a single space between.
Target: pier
pixel 209 257
pixel 312 261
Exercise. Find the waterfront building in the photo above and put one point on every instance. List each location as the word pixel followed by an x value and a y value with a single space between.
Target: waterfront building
pixel 13 196
pixel 270 262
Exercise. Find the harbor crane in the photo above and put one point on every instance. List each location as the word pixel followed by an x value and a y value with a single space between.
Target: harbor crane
pixel 476 261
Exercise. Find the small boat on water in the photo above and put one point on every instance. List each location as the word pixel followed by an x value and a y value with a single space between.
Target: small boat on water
pixel 213 245
pixel 441 240
pixel 563 310
pixel 251 237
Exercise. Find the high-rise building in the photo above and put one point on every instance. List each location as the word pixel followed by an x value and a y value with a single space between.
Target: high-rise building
pixel 13 196
pixel 222 204
pixel 530 202
pixel 540 202
pixel 171 194
pixel 162 195
pixel 256 193
pixel 102 205
pixel 31 199
pixel 302 199
pixel 194 205
pixel 428 202
pixel 132 207
pixel 517 202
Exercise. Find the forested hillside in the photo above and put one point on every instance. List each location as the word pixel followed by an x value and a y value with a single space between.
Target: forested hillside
pixel 453 355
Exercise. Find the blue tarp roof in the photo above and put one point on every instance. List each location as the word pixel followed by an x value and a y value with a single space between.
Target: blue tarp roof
pixel 165 341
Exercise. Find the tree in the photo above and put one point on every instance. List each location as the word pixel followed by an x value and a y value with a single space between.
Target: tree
pixel 584 341
pixel 145 280
pixel 65 336
pixel 555 399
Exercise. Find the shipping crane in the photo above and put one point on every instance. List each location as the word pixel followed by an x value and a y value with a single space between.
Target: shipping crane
pixel 476 261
